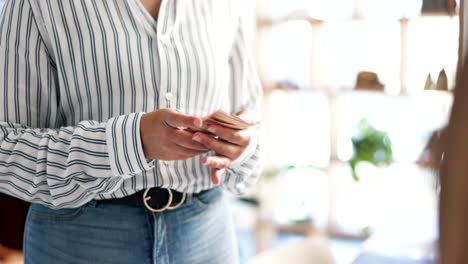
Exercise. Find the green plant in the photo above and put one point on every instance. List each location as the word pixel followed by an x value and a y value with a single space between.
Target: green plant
pixel 370 145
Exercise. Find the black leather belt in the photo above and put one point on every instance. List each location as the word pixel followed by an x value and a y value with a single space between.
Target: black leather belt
pixel 154 199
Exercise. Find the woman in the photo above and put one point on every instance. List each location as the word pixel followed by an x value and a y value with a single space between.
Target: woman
pixel 101 104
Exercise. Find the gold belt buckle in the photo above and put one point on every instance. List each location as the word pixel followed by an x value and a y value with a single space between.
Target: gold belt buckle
pixel 168 206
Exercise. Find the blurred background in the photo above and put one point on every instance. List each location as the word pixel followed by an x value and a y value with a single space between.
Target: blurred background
pixel 357 93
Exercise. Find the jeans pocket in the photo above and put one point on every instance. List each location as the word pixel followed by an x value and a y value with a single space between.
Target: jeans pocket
pixel 38 211
pixel 209 198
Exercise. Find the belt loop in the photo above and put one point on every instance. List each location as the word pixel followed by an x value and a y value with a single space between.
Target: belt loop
pixel 189 198
pixel 93 203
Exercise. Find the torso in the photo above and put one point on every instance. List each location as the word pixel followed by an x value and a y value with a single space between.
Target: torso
pixel 112 58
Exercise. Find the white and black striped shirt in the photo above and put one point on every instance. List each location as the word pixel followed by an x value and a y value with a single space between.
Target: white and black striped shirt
pixel 76 76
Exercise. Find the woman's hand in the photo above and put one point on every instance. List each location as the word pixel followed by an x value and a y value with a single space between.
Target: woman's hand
pixel 228 143
pixel 164 137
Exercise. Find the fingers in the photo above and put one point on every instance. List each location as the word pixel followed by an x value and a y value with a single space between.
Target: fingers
pixel 234 136
pixel 182 153
pixel 221 147
pixel 218 162
pixel 184 139
pixel 247 115
pixel 238 113
pixel 175 119
pixel 218 165
pixel 216 175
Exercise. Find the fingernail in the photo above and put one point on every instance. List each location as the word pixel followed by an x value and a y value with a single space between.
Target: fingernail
pixel 197 123
pixel 197 138
pixel 211 129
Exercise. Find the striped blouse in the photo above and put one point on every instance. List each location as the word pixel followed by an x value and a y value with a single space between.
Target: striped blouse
pixel 77 75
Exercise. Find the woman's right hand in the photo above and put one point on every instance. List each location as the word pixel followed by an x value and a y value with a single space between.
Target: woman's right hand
pixel 165 136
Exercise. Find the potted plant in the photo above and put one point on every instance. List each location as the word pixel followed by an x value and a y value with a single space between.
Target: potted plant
pixel 370 145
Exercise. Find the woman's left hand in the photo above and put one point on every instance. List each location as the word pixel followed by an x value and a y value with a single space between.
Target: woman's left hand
pixel 229 145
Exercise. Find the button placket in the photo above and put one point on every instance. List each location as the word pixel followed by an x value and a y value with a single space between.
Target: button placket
pixel 163 47
pixel 166 99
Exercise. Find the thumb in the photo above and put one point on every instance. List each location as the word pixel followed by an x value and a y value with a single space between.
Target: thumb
pixel 176 119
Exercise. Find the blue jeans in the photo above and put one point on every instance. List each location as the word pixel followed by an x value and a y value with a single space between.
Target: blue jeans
pixel 200 231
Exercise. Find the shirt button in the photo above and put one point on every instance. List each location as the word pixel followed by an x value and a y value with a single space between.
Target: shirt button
pixel 169 96
pixel 166 162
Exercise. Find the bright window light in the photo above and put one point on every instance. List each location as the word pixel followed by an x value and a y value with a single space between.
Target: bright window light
pixel 395 9
pixel 354 46
pixel 297 129
pixel 284 53
pixel 432 46
pixel 316 8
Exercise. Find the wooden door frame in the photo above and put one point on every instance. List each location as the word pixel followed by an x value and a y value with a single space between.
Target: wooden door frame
pixel 453 244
